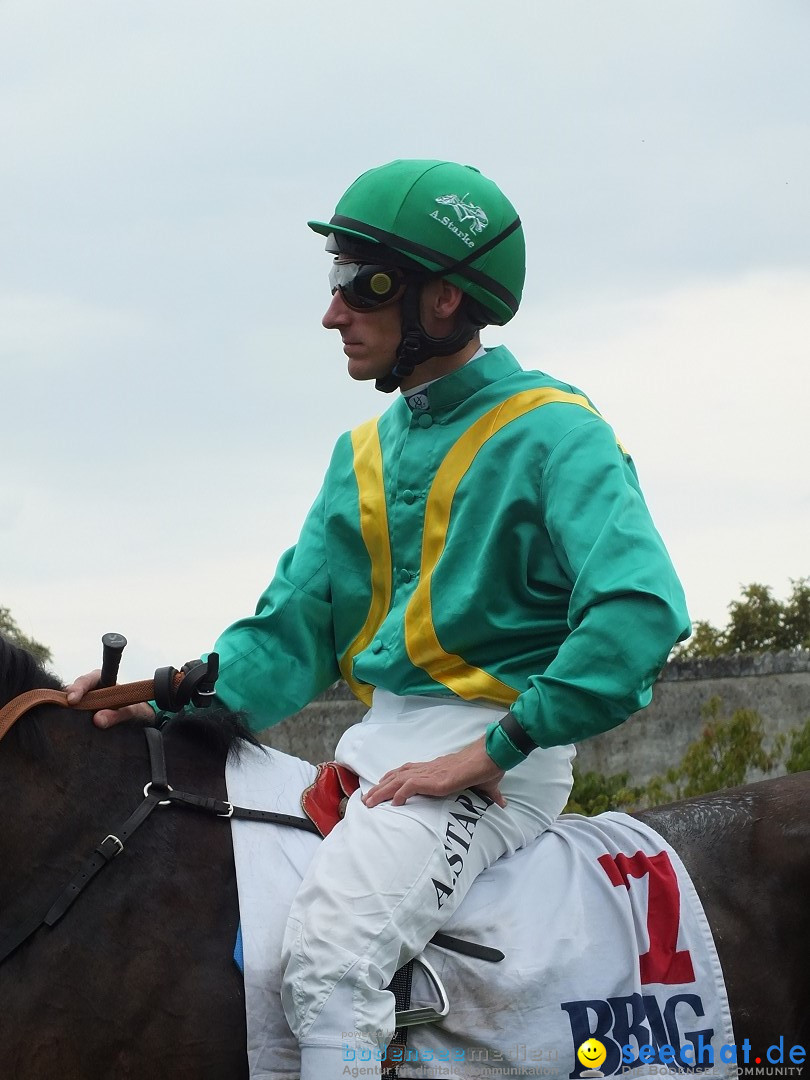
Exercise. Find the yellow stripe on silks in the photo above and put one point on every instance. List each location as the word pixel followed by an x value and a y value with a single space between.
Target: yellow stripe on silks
pixel 424 649
pixel 368 471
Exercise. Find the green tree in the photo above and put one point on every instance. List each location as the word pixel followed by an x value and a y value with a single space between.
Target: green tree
pixel 726 751
pixel 758 622
pixel 728 748
pixel 706 642
pixel 755 622
pixel 10 630
pixel 798 758
pixel 593 793
pixel 796 615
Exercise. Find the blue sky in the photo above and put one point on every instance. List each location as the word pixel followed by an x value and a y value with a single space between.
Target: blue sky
pixel 170 397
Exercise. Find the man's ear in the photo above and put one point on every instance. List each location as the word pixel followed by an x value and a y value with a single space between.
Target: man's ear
pixel 442 298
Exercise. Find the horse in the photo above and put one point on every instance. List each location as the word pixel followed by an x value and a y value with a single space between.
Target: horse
pixel 139 979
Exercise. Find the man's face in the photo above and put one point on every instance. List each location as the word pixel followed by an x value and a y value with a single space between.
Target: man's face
pixel 370 338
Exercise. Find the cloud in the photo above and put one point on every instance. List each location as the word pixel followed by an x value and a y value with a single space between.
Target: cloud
pixel 704 384
pixel 53 332
pixel 170 400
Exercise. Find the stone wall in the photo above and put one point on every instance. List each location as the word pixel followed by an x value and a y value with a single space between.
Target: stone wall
pixel 776 685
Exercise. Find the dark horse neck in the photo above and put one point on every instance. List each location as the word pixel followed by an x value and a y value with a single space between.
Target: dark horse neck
pixel 165 909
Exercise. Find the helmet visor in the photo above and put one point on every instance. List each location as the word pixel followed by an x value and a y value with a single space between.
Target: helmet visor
pixel 364 286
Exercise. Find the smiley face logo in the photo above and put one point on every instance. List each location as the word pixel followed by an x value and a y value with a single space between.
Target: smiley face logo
pixel 592 1054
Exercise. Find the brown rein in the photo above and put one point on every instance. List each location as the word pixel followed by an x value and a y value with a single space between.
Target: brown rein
pixel 110 697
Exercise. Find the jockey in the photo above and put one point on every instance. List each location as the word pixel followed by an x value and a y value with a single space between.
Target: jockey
pixel 479 566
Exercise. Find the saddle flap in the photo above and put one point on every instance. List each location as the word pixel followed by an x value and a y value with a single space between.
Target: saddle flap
pixel 324 801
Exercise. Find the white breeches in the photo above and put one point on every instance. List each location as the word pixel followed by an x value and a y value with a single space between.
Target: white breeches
pixel 387 878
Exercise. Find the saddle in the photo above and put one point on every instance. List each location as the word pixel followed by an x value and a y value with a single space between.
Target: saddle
pixel 324 801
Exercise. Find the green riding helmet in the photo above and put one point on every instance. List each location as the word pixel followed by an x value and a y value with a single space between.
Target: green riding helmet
pixel 448 218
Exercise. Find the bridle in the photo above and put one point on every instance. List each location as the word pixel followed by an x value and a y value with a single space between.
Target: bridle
pixel 171 690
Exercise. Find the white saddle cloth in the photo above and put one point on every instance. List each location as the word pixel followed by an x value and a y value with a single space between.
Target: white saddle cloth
pixel 573 913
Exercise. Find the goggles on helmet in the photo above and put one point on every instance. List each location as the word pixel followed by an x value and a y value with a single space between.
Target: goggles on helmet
pixel 364 286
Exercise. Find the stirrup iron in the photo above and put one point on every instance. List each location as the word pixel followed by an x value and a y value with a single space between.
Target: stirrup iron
pixel 426 1014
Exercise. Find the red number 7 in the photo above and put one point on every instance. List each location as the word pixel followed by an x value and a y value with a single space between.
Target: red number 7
pixel 663 963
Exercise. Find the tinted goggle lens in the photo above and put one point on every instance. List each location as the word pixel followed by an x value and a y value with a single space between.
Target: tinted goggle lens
pixel 364 286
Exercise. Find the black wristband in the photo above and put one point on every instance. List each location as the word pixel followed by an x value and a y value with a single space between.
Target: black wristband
pixel 516 734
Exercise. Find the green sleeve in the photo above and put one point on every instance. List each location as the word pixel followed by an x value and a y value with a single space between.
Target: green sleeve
pixel 276 661
pixel 627 607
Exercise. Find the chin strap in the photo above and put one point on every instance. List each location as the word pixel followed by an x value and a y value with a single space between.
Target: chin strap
pixel 417 345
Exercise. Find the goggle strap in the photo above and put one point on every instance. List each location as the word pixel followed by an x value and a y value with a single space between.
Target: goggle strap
pixel 446 264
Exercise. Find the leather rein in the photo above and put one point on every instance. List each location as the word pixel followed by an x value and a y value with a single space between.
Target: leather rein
pixel 110 697
pixel 171 690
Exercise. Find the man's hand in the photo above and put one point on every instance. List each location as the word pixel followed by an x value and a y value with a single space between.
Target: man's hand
pixel 470 767
pixel 105 718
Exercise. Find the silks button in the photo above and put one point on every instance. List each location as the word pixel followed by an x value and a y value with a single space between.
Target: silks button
pixel 405 576
pixel 408 496
pixel 376 646
pixel 425 420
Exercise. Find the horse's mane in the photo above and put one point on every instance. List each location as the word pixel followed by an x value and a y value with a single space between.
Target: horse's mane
pixel 223 732
pixel 20 671
pixel 220 731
